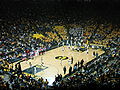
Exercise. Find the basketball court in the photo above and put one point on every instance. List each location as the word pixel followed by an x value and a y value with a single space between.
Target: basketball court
pixel 48 65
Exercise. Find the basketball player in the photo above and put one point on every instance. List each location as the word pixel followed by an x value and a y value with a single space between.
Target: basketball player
pixel 30 64
pixel 71 60
pixel 82 61
pixel 63 43
pixel 61 61
pixel 63 48
pixel 68 46
pixel 42 61
pixel 58 44
pixel 67 42
pixel 71 42
pixel 87 51
pixel 35 70
pixel 70 70
pixel 94 53
pixel 64 69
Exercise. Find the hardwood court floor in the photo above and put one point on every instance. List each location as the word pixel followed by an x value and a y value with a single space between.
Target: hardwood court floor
pixel 56 66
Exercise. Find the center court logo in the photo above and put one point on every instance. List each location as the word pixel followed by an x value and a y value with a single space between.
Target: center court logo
pixel 61 57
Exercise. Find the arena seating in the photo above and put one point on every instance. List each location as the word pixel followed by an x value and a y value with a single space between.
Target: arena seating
pixel 53 24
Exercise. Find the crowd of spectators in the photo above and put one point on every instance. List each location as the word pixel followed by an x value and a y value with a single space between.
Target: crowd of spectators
pixel 18 25
pixel 27 82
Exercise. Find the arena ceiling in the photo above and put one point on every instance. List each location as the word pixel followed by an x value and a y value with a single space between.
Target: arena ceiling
pixel 69 0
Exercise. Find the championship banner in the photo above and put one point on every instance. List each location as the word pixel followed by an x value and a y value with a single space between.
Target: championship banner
pixel 40 36
pixel 59 28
